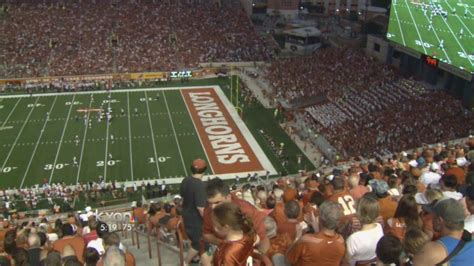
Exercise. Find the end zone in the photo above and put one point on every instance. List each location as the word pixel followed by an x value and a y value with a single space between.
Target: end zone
pixel 229 146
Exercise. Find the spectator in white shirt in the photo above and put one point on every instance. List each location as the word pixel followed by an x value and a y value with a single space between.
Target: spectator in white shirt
pixel 361 245
pixel 431 177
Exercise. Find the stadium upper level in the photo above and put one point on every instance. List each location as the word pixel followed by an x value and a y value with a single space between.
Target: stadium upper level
pixel 50 38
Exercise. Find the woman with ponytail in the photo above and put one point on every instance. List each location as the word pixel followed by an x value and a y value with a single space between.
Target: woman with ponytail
pixel 239 237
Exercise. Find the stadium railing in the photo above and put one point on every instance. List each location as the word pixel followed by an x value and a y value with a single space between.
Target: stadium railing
pixel 175 243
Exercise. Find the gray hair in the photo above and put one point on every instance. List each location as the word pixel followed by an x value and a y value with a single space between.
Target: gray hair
pixel 114 257
pixel 329 214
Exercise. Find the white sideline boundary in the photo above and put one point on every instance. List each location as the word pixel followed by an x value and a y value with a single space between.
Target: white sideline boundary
pixel 261 156
pixel 106 92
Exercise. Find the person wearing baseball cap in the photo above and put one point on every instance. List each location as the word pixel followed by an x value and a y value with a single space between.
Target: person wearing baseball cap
pixel 455 245
pixel 193 192
pixel 387 204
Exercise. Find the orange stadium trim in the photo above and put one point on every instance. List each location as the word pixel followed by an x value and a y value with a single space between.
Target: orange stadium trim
pixel 227 149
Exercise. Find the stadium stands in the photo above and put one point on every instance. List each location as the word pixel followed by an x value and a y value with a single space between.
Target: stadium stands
pixel 384 211
pixel 55 39
pixel 362 107
pixel 326 74
pixel 392 117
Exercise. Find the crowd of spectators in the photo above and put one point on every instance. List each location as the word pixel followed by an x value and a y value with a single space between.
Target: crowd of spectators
pixel 328 73
pixel 383 212
pixel 396 211
pixel 77 240
pixel 58 38
pixel 60 197
pixel 362 107
pixel 390 118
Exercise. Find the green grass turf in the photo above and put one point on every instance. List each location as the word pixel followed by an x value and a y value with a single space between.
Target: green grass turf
pixel 45 149
pixel 409 26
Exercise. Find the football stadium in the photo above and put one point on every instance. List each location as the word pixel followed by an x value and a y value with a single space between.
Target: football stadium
pixel 236 132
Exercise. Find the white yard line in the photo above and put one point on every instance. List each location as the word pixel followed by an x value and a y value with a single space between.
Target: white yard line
pixel 197 132
pixel 414 23
pixel 11 112
pixel 83 144
pixel 61 140
pixel 439 41
pixel 130 136
pixel 399 25
pixel 152 135
pixel 37 143
pixel 460 45
pixel 19 134
pixel 174 133
pixel 107 140
pixel 462 22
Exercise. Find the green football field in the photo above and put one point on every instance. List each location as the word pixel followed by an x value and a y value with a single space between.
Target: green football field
pixel 443 29
pixel 155 137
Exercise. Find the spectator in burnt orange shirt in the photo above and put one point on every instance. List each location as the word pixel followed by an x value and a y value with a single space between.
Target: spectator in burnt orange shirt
pixel 342 197
pixel 406 217
pixel 456 170
pixel 292 211
pixel 424 199
pixel 217 193
pixel 69 238
pixel 154 215
pixel 325 247
pixel 139 214
pixel 357 190
pixel 387 204
pixel 311 186
pixel 237 230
